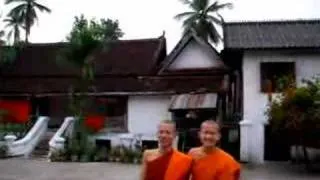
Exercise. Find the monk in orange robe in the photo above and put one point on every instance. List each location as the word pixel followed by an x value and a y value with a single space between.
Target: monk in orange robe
pixel 165 163
pixel 209 161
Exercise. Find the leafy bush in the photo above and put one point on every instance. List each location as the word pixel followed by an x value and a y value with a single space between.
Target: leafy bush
pixel 297 109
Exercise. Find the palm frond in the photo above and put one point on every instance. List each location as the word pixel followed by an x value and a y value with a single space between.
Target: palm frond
pixel 9 35
pixel 202 4
pixel 185 1
pixel 1 34
pixel 196 5
pixel 7 20
pixel 17 11
pixel 213 33
pixel 190 21
pixel 42 8
pixel 183 15
pixel 216 7
pixel 13 1
pixel 222 19
pixel 214 19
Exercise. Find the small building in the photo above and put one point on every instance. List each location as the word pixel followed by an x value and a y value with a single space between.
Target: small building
pixel 265 51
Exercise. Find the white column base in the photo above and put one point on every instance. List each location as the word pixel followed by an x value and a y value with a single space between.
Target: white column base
pixel 252 142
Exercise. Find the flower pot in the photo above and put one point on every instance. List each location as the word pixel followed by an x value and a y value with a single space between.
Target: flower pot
pixel 74 158
pixel 136 161
pixel 84 158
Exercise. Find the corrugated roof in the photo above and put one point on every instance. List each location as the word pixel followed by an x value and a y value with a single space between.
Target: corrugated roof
pixel 272 34
pixel 194 101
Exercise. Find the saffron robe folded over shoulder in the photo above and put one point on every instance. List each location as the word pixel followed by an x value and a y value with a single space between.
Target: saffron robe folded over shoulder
pixel 171 166
pixel 218 165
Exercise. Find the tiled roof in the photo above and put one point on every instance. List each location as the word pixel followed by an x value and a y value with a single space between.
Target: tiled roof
pixel 45 85
pixel 272 34
pixel 130 66
pixel 125 57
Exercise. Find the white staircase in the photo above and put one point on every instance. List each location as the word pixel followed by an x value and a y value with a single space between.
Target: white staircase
pixel 25 146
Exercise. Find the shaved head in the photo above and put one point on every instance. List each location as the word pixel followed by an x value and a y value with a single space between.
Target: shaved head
pixel 210 122
pixel 166 121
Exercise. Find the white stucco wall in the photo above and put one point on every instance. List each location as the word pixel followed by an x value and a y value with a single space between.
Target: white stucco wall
pixel 145 112
pixel 307 64
pixel 195 55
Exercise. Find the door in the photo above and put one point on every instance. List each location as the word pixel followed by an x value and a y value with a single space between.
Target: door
pixel 277 146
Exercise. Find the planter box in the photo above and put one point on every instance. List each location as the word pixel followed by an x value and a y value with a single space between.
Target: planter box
pixel 297 153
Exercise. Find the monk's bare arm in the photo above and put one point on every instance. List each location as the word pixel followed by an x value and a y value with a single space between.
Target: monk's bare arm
pixel 143 167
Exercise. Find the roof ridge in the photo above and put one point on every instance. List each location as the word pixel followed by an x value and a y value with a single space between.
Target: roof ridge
pixel 279 21
pixel 65 43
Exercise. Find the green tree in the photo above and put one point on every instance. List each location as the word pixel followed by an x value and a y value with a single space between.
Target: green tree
pixel 15 24
pixel 203 18
pixel 2 33
pixel 27 11
pixel 86 37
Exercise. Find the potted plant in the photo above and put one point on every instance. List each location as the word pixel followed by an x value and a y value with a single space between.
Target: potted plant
pixel 101 154
pixel 118 151
pixel 113 154
pixel 74 151
pixel 3 151
pixel 137 157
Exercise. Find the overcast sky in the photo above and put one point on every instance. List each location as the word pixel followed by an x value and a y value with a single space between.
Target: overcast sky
pixel 149 18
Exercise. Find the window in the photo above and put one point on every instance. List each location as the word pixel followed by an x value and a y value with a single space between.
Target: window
pixel 115 109
pixel 276 75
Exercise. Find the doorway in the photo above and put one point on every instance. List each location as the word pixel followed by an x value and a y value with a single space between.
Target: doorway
pixel 188 123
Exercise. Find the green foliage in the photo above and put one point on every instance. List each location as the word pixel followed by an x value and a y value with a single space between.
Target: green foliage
pixel 203 18
pixel 8 54
pixel 19 130
pixel 85 37
pixel 3 151
pixel 26 12
pixel 296 109
pixel 15 23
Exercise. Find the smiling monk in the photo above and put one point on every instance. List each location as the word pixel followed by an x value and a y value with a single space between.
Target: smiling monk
pixel 211 162
pixel 165 163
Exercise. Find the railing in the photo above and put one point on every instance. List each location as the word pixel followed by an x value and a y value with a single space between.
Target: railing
pixel 58 140
pixel 27 144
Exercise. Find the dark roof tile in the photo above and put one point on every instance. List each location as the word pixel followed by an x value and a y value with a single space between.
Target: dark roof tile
pixel 272 34
pixel 124 57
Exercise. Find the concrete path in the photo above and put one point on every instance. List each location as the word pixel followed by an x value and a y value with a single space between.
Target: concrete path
pixel 23 169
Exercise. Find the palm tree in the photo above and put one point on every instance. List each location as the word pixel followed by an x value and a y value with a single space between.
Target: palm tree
pixel 15 23
pixel 2 42
pixel 27 11
pixel 203 18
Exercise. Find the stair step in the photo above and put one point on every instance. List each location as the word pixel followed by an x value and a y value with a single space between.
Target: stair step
pixel 42 149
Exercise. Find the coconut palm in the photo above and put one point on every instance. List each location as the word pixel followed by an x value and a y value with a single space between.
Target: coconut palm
pixel 203 18
pixel 1 36
pixel 27 10
pixel 15 24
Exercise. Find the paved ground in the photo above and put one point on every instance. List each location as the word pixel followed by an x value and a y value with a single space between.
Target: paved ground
pixel 23 169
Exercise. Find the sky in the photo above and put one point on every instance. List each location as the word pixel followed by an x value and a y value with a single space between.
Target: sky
pixel 150 18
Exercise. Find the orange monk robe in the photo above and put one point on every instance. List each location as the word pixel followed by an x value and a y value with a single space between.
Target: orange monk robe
pixel 216 166
pixel 171 166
